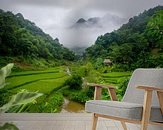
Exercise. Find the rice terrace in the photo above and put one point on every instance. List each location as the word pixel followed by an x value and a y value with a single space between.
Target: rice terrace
pixel 51 82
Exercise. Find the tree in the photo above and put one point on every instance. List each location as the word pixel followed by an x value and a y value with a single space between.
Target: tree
pixel 74 82
pixel 133 44
pixel 154 29
pixel 121 54
pixel 21 37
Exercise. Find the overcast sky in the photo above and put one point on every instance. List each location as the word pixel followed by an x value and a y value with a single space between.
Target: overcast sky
pixel 56 17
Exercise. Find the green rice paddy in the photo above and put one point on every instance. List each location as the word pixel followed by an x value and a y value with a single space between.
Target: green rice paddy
pixel 114 78
pixel 41 81
pixel 46 81
pixel 49 81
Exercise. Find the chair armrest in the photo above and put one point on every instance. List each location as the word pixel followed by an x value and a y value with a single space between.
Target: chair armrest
pixel 150 88
pixel 101 86
pixel 98 88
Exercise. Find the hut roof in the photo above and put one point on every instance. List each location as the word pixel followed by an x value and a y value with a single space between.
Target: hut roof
pixel 107 61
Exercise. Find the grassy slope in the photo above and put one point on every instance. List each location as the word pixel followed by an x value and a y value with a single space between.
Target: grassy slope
pixel 42 81
pixel 49 81
pixel 114 78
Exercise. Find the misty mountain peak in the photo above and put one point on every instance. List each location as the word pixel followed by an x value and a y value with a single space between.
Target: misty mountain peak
pixel 94 20
pixel 99 22
pixel 81 20
pixel 19 15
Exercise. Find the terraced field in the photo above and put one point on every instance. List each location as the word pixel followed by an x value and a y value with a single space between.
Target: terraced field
pixel 114 78
pixel 41 81
pixel 48 82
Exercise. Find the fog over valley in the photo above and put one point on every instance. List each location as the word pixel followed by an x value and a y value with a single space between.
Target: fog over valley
pixel 78 23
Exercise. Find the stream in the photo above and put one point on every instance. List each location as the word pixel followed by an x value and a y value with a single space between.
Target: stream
pixel 72 107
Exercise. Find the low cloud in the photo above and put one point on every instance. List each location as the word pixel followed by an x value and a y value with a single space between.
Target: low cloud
pixel 57 16
pixel 84 34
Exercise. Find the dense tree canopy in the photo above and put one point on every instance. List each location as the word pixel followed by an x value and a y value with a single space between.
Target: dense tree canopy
pixel 138 43
pixel 20 37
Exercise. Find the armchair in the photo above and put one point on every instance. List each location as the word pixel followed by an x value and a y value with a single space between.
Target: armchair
pixel 141 104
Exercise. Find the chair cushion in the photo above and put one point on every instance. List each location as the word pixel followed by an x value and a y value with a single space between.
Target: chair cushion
pixel 131 111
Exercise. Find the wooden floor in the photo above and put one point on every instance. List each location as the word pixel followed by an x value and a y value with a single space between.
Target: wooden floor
pixel 60 121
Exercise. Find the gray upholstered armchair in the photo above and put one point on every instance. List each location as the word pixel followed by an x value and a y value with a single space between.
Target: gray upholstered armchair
pixel 141 104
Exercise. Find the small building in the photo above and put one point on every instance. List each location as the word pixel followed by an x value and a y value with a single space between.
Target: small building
pixel 107 62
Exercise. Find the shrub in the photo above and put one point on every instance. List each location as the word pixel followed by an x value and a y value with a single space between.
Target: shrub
pixel 80 97
pixel 83 71
pixel 8 126
pixel 122 87
pixel 4 97
pixel 74 82
pixel 99 63
pixel 46 104
pixel 90 92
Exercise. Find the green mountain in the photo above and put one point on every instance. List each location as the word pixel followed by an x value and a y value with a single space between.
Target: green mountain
pixel 138 43
pixel 21 37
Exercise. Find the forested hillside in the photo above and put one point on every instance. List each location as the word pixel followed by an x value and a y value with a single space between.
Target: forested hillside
pixel 138 43
pixel 42 64
pixel 21 37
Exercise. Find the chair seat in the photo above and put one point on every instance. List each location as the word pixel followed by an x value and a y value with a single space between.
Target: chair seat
pixel 131 111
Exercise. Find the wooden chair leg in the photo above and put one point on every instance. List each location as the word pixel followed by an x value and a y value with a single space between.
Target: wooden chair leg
pixel 160 98
pixel 94 122
pixel 124 125
pixel 146 110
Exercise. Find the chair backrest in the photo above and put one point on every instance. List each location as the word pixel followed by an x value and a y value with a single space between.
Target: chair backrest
pixel 147 77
